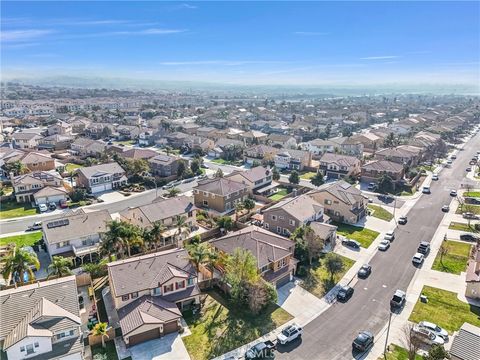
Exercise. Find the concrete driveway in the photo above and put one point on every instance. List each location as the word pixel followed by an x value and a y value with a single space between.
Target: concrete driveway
pixel 169 347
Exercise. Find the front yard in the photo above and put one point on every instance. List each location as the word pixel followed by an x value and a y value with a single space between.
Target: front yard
pixel 468 208
pixel 396 352
pixel 444 309
pixel 12 209
pixel 455 261
pixel 363 235
pixel 308 175
pixel 317 278
pixel 461 227
pixel 279 195
pixel 22 240
pixel 69 167
pixel 380 213
pixel 220 327
pixel 472 194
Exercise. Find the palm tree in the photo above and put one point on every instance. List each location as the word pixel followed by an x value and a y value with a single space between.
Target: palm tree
pixel 121 236
pixel 173 192
pixel 101 329
pixel 182 225
pixel 18 262
pixel 198 254
pixel 59 267
pixel 132 236
pixel 156 232
pixel 238 207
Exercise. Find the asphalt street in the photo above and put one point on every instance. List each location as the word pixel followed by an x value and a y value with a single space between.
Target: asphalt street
pixel 330 335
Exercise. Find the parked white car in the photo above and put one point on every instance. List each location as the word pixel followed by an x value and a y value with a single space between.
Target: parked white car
pixel 418 259
pixel 435 177
pixel 437 330
pixel 390 235
pixel 384 245
pixel 427 336
pixel 289 334
pixel 42 207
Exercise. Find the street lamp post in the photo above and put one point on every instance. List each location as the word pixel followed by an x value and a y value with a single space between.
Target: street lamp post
pixel 386 339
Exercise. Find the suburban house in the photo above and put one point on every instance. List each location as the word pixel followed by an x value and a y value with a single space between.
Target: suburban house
pixel 466 343
pixel 370 141
pixel 223 146
pixel 148 292
pixel 39 186
pixel 55 142
pixel 348 145
pixel 101 177
pixel 374 170
pixel 190 128
pixel 404 154
pixel 342 201
pixel 33 161
pixel 206 131
pixel 136 154
pixel 145 138
pixel 76 233
pixel 287 215
pixel 87 147
pixel 41 321
pixel 326 232
pixel 274 253
pixel 25 140
pixel 473 275
pixel 319 146
pixel 336 166
pixel 165 211
pixel 255 178
pixel 164 165
pixel 282 141
pixel 259 153
pixel 254 137
pixel 60 128
pixel 219 194
pixel 292 159
pixel 197 143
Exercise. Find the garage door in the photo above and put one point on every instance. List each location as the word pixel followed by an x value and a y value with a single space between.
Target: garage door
pixel 147 335
pixel 100 188
pixel 170 327
pixel 283 281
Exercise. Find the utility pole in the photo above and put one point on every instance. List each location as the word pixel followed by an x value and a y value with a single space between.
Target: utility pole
pixel 386 339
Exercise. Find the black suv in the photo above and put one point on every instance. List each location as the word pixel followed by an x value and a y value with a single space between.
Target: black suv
pixel 469 237
pixel 363 341
pixel 345 293
pixel 364 271
pixel 424 248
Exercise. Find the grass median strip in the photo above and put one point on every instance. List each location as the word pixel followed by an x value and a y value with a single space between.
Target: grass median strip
pixel 456 258
pixel 363 235
pixel 380 213
pixel 396 352
pixel 22 240
pixel 445 309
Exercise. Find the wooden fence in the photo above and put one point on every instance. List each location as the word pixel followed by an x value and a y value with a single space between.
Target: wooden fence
pixel 97 339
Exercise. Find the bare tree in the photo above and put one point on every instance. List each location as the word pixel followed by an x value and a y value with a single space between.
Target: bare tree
pixel 444 250
pixel 410 341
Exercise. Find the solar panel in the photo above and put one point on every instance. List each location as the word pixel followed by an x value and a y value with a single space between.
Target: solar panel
pixel 57 223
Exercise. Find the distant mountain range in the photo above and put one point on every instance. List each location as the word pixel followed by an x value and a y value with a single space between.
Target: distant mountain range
pixel 159 85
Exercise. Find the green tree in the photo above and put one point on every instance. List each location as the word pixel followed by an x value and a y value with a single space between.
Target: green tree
pixel 15 167
pixel 17 262
pixel 120 237
pixel 225 222
pixel 256 163
pixel 59 267
pixel 182 226
pixel 437 352
pixel 181 168
pixel 294 178
pixel 334 264
pixel 385 184
pixel 238 208
pixel 101 329
pixel 78 194
pixel 96 270
pixel 249 204
pixel 241 270
pixel 198 254
pixel 219 173
pixel 156 233
pixel 195 166
pixel 173 192
pixel 317 180
pixel 275 174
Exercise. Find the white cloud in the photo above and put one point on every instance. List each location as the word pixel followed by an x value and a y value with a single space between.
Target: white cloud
pixel 386 57
pixel 23 35
pixel 188 6
pixel 218 62
pixel 310 33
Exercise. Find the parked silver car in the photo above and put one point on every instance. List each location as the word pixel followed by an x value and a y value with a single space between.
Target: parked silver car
pixel 437 330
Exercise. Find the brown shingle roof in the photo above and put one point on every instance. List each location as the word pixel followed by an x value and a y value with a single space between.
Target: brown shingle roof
pixel 220 186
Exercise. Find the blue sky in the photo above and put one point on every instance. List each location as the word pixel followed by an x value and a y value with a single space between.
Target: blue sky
pixel 307 43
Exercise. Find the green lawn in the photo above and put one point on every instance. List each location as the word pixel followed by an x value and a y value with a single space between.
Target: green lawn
pixel 280 194
pixel 308 175
pixel 11 209
pixel 461 227
pixel 71 167
pixel 22 240
pixel 472 194
pixel 444 309
pixel 221 161
pixel 363 235
pixel 380 213
pixel 317 281
pixel 109 350
pixel 396 352
pixel 220 327
pixel 455 261
pixel 125 142
pixel 468 208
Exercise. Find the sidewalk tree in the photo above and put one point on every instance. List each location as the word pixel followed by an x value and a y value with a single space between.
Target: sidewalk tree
pixel 334 264
pixel 411 342
pixel 317 180
pixel 195 166
pixel 181 168
pixel 444 250
pixel 294 178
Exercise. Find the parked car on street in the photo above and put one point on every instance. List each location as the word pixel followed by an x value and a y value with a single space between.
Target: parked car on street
pixel 435 177
pixel 402 220
pixel 262 350
pixel 424 248
pixel 37 225
pixel 469 237
pixel 351 243
pixel 426 190
pixel 363 341
pixel 468 169
pixel 289 334
pixel 418 259
pixel 389 235
pixel 453 192
pixel 345 293
pixel 384 245
pixel 364 271
pixel 427 336
pixel 437 330
pixel 398 299
pixel 445 208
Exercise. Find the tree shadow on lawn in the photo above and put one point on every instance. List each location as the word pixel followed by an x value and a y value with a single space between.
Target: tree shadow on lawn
pixel 317 283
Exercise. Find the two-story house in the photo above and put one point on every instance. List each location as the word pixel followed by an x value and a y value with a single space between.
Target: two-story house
pixel 33 161
pixel 164 165
pixel 55 142
pixel 274 253
pixel 259 153
pixel 292 159
pixel 282 141
pixel 87 147
pixel 255 178
pixel 219 194
pixel 287 215
pixel 336 166
pixel 148 292
pixel 60 128
pixel 25 140
pixel 76 233
pixel 33 187
pixel 342 201
pixel 41 321
pixel 374 170
pixel 101 177
pixel 165 211
pixel 404 154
